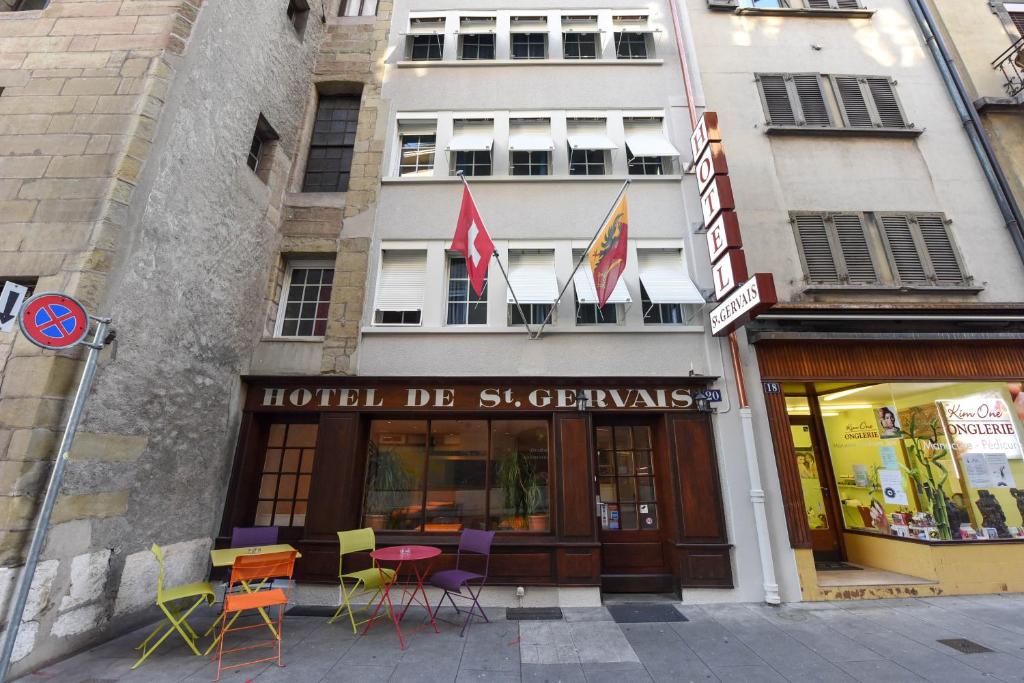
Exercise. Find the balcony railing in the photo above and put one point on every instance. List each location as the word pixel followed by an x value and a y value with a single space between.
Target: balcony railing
pixel 1011 64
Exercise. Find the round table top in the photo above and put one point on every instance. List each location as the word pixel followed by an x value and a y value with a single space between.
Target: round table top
pixel 404 553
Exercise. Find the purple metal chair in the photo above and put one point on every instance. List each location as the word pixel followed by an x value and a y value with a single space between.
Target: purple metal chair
pixel 453 580
pixel 248 536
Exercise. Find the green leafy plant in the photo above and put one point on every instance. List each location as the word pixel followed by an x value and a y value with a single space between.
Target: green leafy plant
pixel 927 450
pixel 519 483
pixel 387 482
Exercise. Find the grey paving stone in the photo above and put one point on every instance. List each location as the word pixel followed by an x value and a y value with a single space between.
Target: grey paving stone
pixel 554 673
pixel 879 670
pixel 492 647
pixel 586 614
pixel 618 672
pixel 601 641
pixel 749 674
pixel 345 673
pixel 474 676
pixel 437 671
pixel 806 628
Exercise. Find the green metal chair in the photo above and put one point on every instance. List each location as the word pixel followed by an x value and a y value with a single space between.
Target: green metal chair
pixel 364 581
pixel 172 602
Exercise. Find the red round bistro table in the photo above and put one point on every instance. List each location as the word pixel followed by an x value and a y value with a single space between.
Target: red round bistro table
pixel 420 558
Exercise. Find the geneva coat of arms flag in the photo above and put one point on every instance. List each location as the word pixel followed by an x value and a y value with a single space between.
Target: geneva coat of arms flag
pixel 607 256
pixel 472 241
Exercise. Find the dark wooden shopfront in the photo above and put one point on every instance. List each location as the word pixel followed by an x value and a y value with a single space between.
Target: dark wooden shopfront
pixel 671 528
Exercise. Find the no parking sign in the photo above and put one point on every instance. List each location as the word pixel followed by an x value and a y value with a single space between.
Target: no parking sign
pixel 53 320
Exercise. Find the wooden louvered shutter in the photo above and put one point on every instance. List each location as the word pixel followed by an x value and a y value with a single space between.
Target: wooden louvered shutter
pixel 812 100
pixel 941 252
pixel 816 248
pixel 853 103
pixel 1018 20
pixel 907 263
pixel 775 96
pixel 889 112
pixel 847 4
pixel 859 265
pixel 834 4
pixel 819 4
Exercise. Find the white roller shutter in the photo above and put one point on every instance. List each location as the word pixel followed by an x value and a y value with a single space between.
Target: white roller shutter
pixel 647 139
pixel 586 291
pixel 530 136
pixel 590 136
pixel 403 277
pixel 532 276
pixel 664 276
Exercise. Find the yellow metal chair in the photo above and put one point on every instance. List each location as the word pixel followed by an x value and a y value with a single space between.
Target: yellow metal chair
pixel 364 581
pixel 172 602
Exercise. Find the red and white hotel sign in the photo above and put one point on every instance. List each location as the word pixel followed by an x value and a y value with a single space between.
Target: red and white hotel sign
pixel 742 297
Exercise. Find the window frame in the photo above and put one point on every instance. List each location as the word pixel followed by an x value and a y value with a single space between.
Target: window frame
pixel 344 172
pixel 260 149
pixel 473 163
pixel 298 15
pixel 588 162
pixel 462 47
pixel 530 164
pixel 594 36
pixel 438 38
pixel 416 169
pixel 19 6
pixel 620 34
pixel 283 301
pixel 471 299
pixel 360 5
pixel 531 311
pixel 529 35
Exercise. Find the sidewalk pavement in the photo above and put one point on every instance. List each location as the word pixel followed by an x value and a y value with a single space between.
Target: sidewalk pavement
pixel 872 641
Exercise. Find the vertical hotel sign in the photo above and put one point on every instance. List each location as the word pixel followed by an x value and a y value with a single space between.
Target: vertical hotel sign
pixel 741 297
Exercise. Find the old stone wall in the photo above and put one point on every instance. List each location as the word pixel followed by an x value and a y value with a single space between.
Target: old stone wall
pixel 124 130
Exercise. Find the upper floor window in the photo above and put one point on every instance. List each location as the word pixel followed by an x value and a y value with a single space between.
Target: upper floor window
pixel 358 8
pixel 581 37
pixel 298 12
pixel 418 142
pixel 476 46
pixel 305 299
pixel 589 147
pixel 426 39
pixel 1016 12
pixel 331 145
pixel 400 286
pixel 533 286
pixel 530 146
pixel 802 4
pixel 260 150
pixel 470 148
pixel 648 150
pixel 878 249
pixel 667 294
pixel 27 5
pixel 465 307
pixel 633 37
pixel 529 45
pixel 836 101
pixel 587 310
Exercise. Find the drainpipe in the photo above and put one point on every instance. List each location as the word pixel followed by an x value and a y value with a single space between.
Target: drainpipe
pixel 972 123
pixel 757 497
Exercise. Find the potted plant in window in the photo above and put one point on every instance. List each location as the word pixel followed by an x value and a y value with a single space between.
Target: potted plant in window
pixel 520 486
pixel 386 482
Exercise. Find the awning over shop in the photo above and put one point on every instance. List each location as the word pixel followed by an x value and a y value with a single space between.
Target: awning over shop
pixel 664 276
pixel 532 277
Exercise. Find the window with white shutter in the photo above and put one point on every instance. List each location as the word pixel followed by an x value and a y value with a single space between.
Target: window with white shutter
pixel 531 283
pixel 400 287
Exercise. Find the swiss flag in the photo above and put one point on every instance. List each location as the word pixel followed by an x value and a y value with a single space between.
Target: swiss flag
pixel 472 241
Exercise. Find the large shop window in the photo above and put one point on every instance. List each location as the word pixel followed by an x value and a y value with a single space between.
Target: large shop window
pixel 934 461
pixel 449 475
pixel 287 472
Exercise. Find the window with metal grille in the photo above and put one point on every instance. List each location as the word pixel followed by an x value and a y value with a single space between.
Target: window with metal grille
pixel 531 163
pixel 305 299
pixel 417 155
pixel 630 45
pixel 427 48
pixel 332 144
pixel 810 100
pixel 529 45
pixel 259 149
pixel 286 476
pixel 851 249
pixel 298 12
pixel 465 307
pixel 476 163
pixel 477 46
pixel 587 162
pixel 580 45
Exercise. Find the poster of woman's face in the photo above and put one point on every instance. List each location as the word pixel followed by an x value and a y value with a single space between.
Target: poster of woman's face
pixel 888 423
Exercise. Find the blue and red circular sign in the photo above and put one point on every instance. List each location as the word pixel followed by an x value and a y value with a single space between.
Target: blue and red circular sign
pixel 54 321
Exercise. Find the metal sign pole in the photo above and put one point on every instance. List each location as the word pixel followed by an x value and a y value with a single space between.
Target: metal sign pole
pixel 21 590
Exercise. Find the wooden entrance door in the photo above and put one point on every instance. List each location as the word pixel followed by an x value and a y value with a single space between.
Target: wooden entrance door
pixel 631 487
pixel 819 498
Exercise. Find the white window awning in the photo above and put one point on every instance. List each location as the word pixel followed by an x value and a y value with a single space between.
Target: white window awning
pixel 532 276
pixel 403 278
pixel 590 137
pixel 471 141
pixel 586 291
pixel 649 141
pixel 530 141
pixel 665 279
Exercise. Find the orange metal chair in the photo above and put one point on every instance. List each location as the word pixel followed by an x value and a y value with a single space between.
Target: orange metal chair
pixel 240 596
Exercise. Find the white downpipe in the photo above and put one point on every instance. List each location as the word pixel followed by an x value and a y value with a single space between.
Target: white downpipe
pixel 764 542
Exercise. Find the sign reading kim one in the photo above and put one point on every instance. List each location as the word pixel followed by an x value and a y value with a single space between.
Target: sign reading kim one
pixel 742 297
pixel 468 397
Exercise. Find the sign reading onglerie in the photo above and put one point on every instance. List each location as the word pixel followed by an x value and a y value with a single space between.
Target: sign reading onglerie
pixel 742 297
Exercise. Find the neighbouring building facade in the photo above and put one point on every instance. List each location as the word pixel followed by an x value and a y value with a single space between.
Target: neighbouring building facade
pixel 263 196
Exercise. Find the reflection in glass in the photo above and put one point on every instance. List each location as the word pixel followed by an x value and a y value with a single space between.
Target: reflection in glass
pixel 394 474
pixel 456 475
pixel 519 475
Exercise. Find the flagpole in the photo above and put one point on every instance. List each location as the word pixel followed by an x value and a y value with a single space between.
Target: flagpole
pixel 497 257
pixel 579 263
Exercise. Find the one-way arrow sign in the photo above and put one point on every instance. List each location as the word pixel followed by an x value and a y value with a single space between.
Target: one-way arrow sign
pixel 10 304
